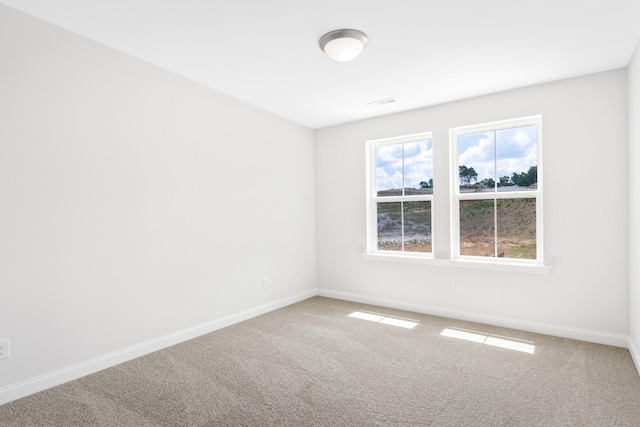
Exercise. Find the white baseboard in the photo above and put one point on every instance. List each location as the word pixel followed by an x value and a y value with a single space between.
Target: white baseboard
pixel 52 379
pixel 598 337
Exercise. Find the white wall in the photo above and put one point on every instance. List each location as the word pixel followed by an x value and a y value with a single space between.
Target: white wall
pixel 134 203
pixel 634 203
pixel 585 213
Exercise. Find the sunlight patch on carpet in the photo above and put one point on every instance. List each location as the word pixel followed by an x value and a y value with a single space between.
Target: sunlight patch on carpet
pixel 492 340
pixel 382 318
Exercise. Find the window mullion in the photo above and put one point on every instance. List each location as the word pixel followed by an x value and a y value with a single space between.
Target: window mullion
pixel 495 228
pixel 402 203
pixel 495 162
pixel 495 201
pixel 403 184
pixel 402 223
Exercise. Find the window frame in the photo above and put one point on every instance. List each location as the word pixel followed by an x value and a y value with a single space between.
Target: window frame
pixel 456 196
pixel 373 199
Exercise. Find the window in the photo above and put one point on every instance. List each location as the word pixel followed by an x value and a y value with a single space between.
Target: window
pixel 400 195
pixel 494 201
pixel 496 207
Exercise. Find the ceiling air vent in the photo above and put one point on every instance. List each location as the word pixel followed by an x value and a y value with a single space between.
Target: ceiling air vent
pixel 381 102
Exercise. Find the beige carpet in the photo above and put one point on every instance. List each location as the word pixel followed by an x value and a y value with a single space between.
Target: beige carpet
pixel 311 364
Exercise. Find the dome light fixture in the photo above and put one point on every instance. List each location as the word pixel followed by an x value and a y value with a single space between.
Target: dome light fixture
pixel 343 45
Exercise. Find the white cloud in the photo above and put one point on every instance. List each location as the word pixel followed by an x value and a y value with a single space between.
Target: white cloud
pixel 480 157
pixel 384 181
pixel 418 165
pixel 417 173
pixel 516 152
pixel 522 138
pixel 389 156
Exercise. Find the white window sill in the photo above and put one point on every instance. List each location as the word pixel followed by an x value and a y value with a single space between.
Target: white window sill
pixel 478 265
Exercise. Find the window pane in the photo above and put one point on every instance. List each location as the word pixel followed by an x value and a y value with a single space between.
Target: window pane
pixel 477 227
pixel 516 228
pixel 418 167
pixel 390 226
pixel 417 226
pixel 389 177
pixel 517 158
pixel 476 160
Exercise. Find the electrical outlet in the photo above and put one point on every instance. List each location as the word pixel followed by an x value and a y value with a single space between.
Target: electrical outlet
pixel 455 286
pixel 265 282
pixel 4 348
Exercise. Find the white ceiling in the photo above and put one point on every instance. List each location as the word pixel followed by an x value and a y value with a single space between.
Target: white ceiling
pixel 422 52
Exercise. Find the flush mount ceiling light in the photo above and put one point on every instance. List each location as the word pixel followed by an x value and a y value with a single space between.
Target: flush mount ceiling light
pixel 343 45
